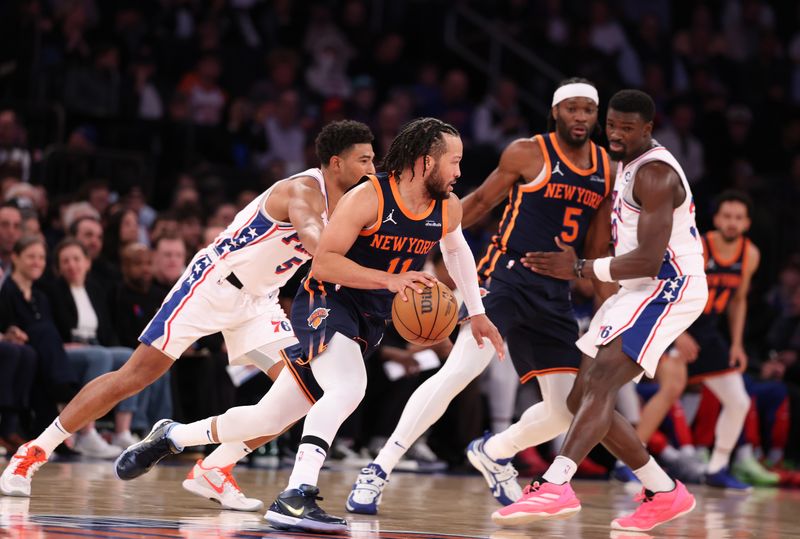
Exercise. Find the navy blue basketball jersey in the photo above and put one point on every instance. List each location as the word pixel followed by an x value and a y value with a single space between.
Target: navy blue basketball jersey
pixel 399 241
pixel 723 276
pixel 560 202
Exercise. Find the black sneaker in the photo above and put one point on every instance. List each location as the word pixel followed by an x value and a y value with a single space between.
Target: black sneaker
pixel 139 458
pixel 297 509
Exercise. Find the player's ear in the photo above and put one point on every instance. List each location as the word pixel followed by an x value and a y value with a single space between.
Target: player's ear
pixel 648 128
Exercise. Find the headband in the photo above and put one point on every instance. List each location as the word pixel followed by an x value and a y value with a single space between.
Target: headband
pixel 575 89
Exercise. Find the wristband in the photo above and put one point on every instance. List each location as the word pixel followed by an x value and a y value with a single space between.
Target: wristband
pixel 602 269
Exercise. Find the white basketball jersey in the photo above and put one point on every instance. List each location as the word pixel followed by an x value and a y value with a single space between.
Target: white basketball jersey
pixel 263 252
pixel 684 253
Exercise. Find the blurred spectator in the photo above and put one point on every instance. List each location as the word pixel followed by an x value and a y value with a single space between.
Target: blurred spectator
pixel 142 98
pixel 10 233
pixel 169 261
pixel 97 193
pixel 286 139
pixel 122 228
pixel 80 312
pixel 190 225
pixel 455 106
pixel 165 224
pixel 30 223
pixel 89 232
pixel 498 120
pixel 206 99
pixel 15 159
pixel 95 90
pixel 678 138
pixel 223 215
pixel 608 36
pixel 25 312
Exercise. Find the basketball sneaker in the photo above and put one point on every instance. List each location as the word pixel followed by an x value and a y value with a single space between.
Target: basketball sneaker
pixel 723 479
pixel 218 484
pixel 749 470
pixel 367 491
pixel 16 478
pixel 656 508
pixel 297 509
pixel 500 474
pixel 139 458
pixel 540 500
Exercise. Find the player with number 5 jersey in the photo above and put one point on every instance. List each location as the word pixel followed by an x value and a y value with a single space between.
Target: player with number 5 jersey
pixel 230 286
pixel 556 186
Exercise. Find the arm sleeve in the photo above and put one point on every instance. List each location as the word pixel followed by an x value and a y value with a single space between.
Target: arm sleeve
pixel 461 266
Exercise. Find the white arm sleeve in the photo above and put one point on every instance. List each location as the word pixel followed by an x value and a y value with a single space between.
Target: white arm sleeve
pixel 461 266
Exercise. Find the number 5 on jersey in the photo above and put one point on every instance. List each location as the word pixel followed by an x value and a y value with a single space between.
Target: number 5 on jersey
pixel 571 224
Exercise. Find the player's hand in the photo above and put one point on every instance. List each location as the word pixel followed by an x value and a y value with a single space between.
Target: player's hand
pixel 687 347
pixel 738 357
pixel 558 264
pixel 397 282
pixel 482 328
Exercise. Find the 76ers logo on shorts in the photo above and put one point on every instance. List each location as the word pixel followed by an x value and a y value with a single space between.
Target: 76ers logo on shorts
pixel 317 316
pixel 605 331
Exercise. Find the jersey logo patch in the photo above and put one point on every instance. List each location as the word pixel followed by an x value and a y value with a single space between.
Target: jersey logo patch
pixel 432 223
pixel 390 217
pixel 557 169
pixel 596 178
pixel 317 316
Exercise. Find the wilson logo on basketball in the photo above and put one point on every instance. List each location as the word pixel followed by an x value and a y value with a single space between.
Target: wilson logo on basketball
pixel 426 300
pixel 317 316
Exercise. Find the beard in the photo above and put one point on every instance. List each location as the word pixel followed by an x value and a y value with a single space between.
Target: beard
pixel 436 188
pixel 565 135
pixel 729 236
pixel 616 156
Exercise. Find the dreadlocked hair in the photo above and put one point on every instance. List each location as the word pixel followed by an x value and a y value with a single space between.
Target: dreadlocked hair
pixel 420 137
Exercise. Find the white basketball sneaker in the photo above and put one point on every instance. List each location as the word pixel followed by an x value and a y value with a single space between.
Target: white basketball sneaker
pixel 217 484
pixel 16 478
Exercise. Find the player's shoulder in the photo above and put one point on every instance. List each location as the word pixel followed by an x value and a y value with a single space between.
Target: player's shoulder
pixel 524 146
pixel 752 252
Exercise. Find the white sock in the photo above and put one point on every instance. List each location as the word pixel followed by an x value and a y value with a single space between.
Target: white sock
pixel 720 458
pixel 309 461
pixel 196 433
pixel 226 454
pixel 51 437
pixel 654 478
pixel 390 454
pixel 540 423
pixel 561 471
pixel 430 400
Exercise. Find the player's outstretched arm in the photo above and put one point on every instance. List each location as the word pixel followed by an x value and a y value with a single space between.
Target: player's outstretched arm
pixel 598 245
pixel 356 212
pixel 659 190
pixel 461 266
pixel 737 309
pixel 523 157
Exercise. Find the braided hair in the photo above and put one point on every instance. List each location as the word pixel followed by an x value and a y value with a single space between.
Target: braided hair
pixel 420 137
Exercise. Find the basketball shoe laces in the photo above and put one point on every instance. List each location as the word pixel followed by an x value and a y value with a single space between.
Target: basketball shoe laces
pixel 531 488
pixel 646 508
pixel 228 478
pixel 31 461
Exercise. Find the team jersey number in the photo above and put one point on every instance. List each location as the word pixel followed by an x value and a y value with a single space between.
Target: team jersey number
pixel 717 300
pixel 395 262
pixel 571 225
pixel 294 261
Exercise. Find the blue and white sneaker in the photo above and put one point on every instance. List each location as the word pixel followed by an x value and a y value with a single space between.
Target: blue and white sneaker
pixel 724 479
pixel 140 458
pixel 500 474
pixel 367 491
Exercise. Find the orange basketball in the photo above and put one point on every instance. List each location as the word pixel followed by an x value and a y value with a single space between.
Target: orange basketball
pixel 425 318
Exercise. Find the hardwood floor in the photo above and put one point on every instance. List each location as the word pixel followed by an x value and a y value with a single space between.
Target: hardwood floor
pixel 84 499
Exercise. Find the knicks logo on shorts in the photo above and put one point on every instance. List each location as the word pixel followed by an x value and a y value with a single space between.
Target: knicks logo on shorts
pixel 317 316
pixel 605 331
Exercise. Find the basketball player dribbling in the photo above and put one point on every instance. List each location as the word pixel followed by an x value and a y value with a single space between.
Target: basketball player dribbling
pixel 659 265
pixel 375 245
pixel 230 286
pixel 556 185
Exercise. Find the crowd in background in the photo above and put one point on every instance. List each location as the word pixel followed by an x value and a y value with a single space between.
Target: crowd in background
pixel 131 132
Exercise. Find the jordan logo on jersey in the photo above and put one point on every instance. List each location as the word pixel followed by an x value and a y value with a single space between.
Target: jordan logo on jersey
pixel 557 169
pixel 390 217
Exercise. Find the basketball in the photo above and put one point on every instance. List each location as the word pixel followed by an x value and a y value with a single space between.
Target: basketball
pixel 425 318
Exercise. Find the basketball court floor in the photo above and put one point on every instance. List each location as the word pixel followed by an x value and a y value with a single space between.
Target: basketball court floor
pixel 84 500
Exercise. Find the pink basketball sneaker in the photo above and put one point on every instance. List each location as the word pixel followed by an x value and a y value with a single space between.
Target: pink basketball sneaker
pixel 539 501
pixel 657 508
